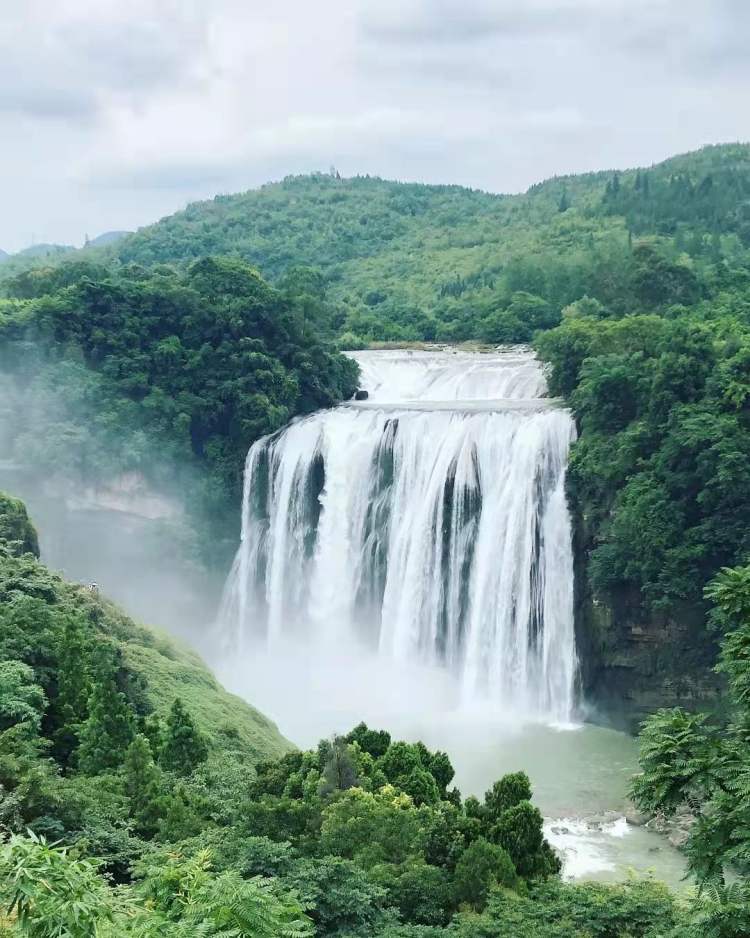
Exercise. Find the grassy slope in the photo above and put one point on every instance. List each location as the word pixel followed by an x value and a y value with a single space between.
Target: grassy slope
pixel 170 670
pixel 162 666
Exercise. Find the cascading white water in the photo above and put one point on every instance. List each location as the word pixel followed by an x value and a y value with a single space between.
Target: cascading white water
pixel 428 522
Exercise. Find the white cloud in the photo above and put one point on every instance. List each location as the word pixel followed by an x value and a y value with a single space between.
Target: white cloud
pixel 113 113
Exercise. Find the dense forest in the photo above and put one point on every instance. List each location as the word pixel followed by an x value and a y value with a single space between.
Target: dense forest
pixel 138 798
pixel 444 263
pixel 161 370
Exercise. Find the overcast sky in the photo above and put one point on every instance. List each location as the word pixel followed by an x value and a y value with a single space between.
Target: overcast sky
pixel 114 113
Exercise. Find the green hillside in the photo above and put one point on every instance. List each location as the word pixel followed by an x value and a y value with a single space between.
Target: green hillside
pixel 36 608
pixel 163 371
pixel 420 262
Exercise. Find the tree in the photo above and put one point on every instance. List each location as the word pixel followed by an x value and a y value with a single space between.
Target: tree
pixel 399 761
pixel 480 867
pixel 108 730
pixel 184 748
pixel 376 742
pixel 372 828
pixel 17 533
pixel 422 893
pixel 441 770
pixel 337 894
pixel 506 793
pixel 703 763
pixel 143 786
pixel 339 770
pixel 520 831
pixel 73 688
pixel 421 785
pixel 21 699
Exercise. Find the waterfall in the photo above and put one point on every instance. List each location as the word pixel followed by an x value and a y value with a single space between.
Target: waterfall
pixel 428 523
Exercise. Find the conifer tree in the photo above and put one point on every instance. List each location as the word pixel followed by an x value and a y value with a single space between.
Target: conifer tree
pixel 184 747
pixel 73 689
pixel 151 727
pixel 108 730
pixel 143 785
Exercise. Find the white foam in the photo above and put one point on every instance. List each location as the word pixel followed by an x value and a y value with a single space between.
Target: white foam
pixel 433 536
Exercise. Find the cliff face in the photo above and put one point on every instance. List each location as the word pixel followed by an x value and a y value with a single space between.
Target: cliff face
pixel 634 661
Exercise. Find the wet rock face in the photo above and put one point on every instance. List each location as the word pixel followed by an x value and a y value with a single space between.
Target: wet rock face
pixel 361 395
pixel 635 662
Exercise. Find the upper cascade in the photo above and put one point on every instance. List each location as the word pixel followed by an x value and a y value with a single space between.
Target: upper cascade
pixel 408 376
pixel 429 524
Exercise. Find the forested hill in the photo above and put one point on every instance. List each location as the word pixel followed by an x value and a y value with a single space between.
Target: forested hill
pixel 413 261
pixel 128 370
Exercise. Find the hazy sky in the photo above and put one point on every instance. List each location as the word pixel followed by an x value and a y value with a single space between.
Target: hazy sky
pixel 116 112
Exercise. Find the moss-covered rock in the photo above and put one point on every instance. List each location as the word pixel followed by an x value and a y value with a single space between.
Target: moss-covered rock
pixel 17 533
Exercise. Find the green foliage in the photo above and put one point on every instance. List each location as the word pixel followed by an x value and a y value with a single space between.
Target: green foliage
pixel 338 766
pixel 519 831
pixel 143 786
pixel 337 893
pixel 50 893
pixel 194 365
pixel 481 866
pixel 635 909
pixel 412 262
pixel 422 893
pixel 108 730
pixel 661 438
pixel 694 760
pixel 190 893
pixel 506 793
pixel 21 700
pixel 54 895
pixel 373 827
pixel 183 748
pixel 76 679
pixel 17 533
pixel 374 742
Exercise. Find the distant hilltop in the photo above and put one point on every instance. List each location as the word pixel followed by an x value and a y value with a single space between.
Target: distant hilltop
pixel 45 250
pixel 108 237
pixel 55 250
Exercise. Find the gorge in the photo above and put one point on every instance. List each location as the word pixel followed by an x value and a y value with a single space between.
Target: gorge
pixel 407 559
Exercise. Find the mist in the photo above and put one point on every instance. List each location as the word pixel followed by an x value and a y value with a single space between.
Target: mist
pixel 104 521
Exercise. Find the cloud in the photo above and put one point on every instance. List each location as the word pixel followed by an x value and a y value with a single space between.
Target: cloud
pixel 453 21
pixel 114 113
pixel 68 60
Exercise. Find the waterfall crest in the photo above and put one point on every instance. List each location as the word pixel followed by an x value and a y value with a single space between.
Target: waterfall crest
pixel 428 523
